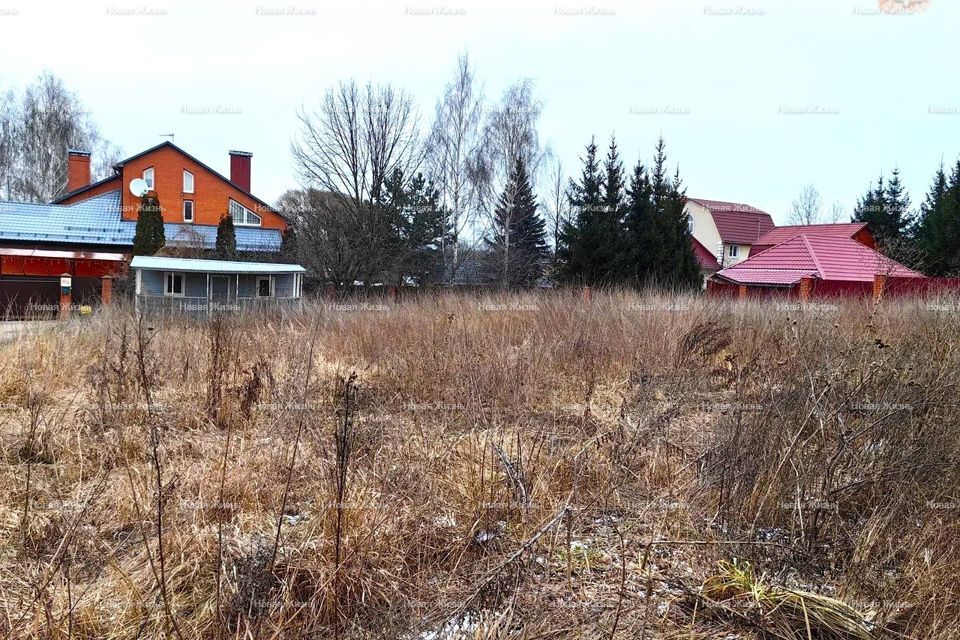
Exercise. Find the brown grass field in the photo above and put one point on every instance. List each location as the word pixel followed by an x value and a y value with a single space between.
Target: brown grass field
pixel 486 468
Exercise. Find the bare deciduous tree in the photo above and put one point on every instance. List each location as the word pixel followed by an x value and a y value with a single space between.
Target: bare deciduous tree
pixel 455 150
pixel 807 207
pixel 510 134
pixel 559 202
pixel 36 130
pixel 837 212
pixel 344 155
pixel 356 139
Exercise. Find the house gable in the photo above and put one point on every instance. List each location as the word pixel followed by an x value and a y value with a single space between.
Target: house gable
pixel 211 195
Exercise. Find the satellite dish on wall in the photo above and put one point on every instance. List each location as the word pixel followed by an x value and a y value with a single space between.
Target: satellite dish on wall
pixel 138 187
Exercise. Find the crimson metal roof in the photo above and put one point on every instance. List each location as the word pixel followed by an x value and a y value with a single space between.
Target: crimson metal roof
pixel 723 206
pixel 737 223
pixel 705 258
pixel 825 257
pixel 782 234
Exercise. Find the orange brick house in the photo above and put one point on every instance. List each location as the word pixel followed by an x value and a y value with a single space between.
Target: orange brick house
pixel 189 191
pixel 87 233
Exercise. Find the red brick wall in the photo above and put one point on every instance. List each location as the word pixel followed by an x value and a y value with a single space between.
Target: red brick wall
pixel 865 237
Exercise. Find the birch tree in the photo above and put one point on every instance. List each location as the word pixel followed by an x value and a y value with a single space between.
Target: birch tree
pixel 37 128
pixel 455 157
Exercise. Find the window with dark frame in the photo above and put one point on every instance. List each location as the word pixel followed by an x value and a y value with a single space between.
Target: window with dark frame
pixel 174 285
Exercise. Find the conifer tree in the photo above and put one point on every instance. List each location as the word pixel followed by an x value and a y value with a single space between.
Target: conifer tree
pixel 149 236
pixel 937 230
pixel 226 247
pixel 641 239
pixel 897 205
pixel 586 239
pixel 886 209
pixel 419 228
pixel 679 267
pixel 610 219
pixel 671 260
pixel 518 239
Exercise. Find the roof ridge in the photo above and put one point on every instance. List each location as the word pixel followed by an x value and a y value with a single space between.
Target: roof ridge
pixel 813 255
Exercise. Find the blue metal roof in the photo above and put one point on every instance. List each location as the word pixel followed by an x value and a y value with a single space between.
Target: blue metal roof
pixel 248 238
pixel 93 221
pixel 97 221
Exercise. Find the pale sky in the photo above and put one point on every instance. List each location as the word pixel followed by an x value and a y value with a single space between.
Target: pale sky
pixel 755 99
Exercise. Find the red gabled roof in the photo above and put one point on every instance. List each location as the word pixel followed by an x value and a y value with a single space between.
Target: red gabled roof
pixel 737 223
pixel 707 260
pixel 722 206
pixel 829 258
pixel 839 230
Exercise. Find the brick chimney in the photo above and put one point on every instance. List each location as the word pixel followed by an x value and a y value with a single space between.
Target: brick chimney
pixel 78 169
pixel 240 169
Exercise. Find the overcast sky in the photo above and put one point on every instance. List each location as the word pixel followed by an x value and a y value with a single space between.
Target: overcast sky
pixel 755 99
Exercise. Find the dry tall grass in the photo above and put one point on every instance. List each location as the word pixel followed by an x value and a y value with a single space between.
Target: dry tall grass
pixel 512 467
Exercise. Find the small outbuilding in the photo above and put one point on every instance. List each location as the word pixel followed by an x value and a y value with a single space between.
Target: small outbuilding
pixel 204 287
pixel 812 266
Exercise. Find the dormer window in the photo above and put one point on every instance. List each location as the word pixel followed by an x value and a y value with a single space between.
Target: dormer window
pixel 187 182
pixel 148 178
pixel 242 216
pixel 734 250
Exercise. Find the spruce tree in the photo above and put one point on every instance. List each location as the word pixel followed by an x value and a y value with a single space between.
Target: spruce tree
pixel 641 238
pixel 149 236
pixel 897 205
pixel 418 227
pixel 611 218
pixel 679 269
pixel 885 208
pixel 517 243
pixel 226 239
pixel 585 239
pixel 937 231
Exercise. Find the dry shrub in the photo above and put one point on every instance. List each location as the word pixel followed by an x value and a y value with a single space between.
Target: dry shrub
pixel 508 466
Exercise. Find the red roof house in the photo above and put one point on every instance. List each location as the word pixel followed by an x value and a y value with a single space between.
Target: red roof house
pixel 727 230
pixel 856 230
pixel 831 265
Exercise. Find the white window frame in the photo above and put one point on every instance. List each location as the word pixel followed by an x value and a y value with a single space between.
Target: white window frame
pixel 193 211
pixel 690 223
pixel 733 251
pixel 185 189
pixel 246 214
pixel 269 280
pixel 167 282
pixel 148 177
